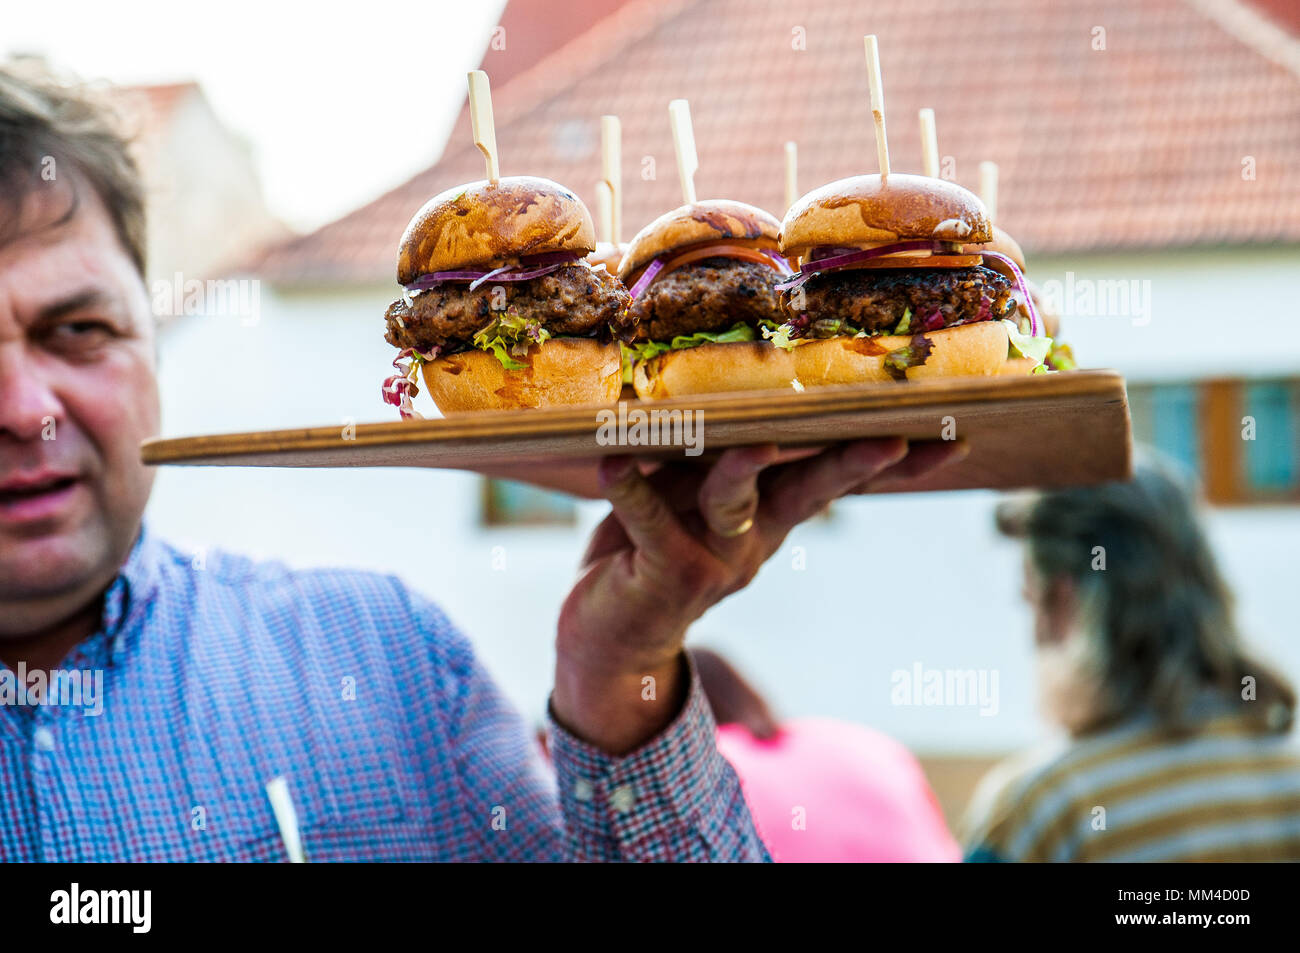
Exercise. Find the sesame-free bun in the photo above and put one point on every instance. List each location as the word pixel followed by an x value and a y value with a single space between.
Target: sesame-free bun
pixel 1017 367
pixel 560 372
pixel 482 223
pixel 714 369
pixel 862 211
pixel 978 349
pixel 714 220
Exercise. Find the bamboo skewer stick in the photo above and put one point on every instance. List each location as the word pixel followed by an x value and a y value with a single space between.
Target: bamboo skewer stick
pixel 480 117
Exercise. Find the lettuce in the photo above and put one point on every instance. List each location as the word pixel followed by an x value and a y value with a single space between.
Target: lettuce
pixel 1034 348
pixel 509 334
pixel 913 354
pixel 905 323
pixel 778 334
pixel 781 334
pixel 1061 358
pixel 737 332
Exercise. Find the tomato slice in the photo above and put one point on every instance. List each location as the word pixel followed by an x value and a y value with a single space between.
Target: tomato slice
pixel 719 250
pixel 912 261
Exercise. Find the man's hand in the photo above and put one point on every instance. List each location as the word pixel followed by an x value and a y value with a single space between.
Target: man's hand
pixel 677 542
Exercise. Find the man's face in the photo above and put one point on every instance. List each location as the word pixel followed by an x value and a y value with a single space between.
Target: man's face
pixel 77 395
pixel 1051 602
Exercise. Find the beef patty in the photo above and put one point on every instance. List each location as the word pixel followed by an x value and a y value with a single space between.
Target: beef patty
pixel 874 299
pixel 575 301
pixel 707 295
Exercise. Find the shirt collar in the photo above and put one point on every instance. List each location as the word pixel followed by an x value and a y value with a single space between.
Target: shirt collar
pixel 130 591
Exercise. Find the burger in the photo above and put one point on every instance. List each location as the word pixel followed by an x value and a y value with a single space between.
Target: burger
pixel 608 254
pixel 885 289
pixel 703 282
pixel 501 310
pixel 1027 352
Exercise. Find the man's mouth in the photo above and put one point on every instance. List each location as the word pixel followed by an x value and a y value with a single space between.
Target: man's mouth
pixel 37 498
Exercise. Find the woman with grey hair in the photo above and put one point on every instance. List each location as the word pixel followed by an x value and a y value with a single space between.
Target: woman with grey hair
pixel 1178 744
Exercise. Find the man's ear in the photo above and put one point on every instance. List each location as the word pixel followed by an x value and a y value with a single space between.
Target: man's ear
pixel 1060 603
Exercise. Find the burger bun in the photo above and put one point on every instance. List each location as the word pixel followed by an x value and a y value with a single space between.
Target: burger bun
pixel 560 372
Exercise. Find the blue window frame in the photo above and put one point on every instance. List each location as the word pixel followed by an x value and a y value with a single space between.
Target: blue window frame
pixel 1269 459
pixel 1175 423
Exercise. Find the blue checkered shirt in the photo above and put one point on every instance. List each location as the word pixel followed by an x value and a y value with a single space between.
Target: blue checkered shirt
pixel 222 673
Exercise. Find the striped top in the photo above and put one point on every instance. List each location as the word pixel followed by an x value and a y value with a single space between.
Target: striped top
pixel 1134 793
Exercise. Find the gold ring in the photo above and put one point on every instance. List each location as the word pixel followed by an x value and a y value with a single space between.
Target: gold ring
pixel 740 530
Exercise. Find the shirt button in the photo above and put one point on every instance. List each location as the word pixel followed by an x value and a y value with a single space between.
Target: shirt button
pixel 582 789
pixel 44 739
pixel 622 799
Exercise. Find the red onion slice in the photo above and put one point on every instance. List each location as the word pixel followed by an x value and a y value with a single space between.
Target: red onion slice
pixel 1035 326
pixel 529 267
pixel 778 259
pixel 647 276
pixel 810 269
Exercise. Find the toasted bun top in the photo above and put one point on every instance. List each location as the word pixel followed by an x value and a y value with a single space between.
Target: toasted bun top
pixel 484 222
pixel 709 221
pixel 861 211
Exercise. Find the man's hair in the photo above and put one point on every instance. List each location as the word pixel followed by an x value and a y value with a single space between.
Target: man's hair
pixel 49 124
pixel 1159 614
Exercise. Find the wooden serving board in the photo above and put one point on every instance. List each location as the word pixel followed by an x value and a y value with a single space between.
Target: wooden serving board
pixel 1041 430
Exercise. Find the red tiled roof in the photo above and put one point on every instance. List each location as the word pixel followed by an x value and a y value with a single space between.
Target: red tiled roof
pixel 533 29
pixel 1139 145
pixel 1283 13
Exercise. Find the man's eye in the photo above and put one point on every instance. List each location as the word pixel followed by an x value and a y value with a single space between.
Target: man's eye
pixel 81 331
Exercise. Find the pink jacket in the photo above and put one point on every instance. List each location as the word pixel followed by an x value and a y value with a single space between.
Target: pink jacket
pixel 831 791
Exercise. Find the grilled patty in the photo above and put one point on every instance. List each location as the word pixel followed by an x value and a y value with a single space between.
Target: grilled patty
pixel 574 301
pixel 875 299
pixel 708 295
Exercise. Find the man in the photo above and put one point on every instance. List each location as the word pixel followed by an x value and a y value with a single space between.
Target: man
pixel 393 740
pixel 1179 745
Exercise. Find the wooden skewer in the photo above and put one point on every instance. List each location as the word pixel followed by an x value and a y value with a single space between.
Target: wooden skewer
pixel 604 212
pixel 929 145
pixel 791 174
pixel 877 105
pixel 480 117
pixel 679 114
pixel 989 188
pixel 611 167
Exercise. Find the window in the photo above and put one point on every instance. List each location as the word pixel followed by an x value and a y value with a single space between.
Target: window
pixel 1242 438
pixel 1166 416
pixel 1270 447
pixel 507 503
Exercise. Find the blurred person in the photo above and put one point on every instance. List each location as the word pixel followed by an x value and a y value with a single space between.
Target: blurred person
pixel 213 678
pixel 1178 744
pixel 823 790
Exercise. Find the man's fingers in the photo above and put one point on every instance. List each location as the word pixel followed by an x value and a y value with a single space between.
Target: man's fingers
pixel 728 498
pixel 799 490
pixel 609 537
pixel 922 459
pixel 649 522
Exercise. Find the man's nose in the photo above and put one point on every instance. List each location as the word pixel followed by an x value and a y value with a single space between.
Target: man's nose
pixel 28 403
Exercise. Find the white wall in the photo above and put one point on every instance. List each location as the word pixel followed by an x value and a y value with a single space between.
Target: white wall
pixel 1213 312
pixel 889 582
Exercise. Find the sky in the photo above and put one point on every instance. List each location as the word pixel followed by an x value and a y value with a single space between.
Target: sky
pixel 339 103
